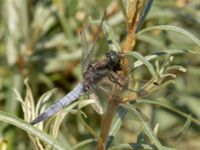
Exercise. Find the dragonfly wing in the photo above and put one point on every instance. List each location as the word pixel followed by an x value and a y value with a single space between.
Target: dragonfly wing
pixel 97 106
pixel 66 100
pixel 86 50
pixel 96 94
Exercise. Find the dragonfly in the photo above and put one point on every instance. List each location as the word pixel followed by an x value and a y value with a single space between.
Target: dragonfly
pixel 93 73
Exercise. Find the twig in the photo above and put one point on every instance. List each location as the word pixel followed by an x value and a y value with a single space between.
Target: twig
pixel 107 121
pixel 132 18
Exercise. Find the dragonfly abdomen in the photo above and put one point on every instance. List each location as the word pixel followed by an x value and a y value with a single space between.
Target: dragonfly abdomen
pixel 73 95
pixel 66 100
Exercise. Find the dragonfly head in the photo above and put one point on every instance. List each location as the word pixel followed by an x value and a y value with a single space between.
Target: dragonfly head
pixel 114 58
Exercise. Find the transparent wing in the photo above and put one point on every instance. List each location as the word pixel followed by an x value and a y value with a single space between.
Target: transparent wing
pixel 97 106
pixel 86 50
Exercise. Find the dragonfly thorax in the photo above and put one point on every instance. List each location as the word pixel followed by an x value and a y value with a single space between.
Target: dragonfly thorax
pixel 94 73
pixel 100 69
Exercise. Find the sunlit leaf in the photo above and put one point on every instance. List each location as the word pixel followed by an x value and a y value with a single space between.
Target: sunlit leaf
pixel 146 126
pixel 5 117
pixel 172 28
pixel 145 62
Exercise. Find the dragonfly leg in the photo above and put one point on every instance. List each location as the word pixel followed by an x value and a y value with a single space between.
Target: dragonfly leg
pixel 112 78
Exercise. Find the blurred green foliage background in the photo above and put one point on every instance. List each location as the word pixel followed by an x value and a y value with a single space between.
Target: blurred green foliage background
pixel 40 39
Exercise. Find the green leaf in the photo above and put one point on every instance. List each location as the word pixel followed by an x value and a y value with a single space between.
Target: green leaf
pixel 28 107
pixel 131 146
pixel 171 28
pixel 159 53
pixel 145 62
pixel 55 124
pixel 146 126
pixel 18 96
pixel 185 127
pixel 194 120
pixel 43 99
pixel 117 122
pixel 83 143
pixel 122 6
pixel 5 117
pixel 111 37
pixel 85 103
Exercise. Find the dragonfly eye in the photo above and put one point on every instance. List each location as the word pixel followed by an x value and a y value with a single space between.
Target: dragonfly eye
pixel 113 57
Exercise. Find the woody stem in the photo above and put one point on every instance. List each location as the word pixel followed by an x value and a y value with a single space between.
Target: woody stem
pixel 106 123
